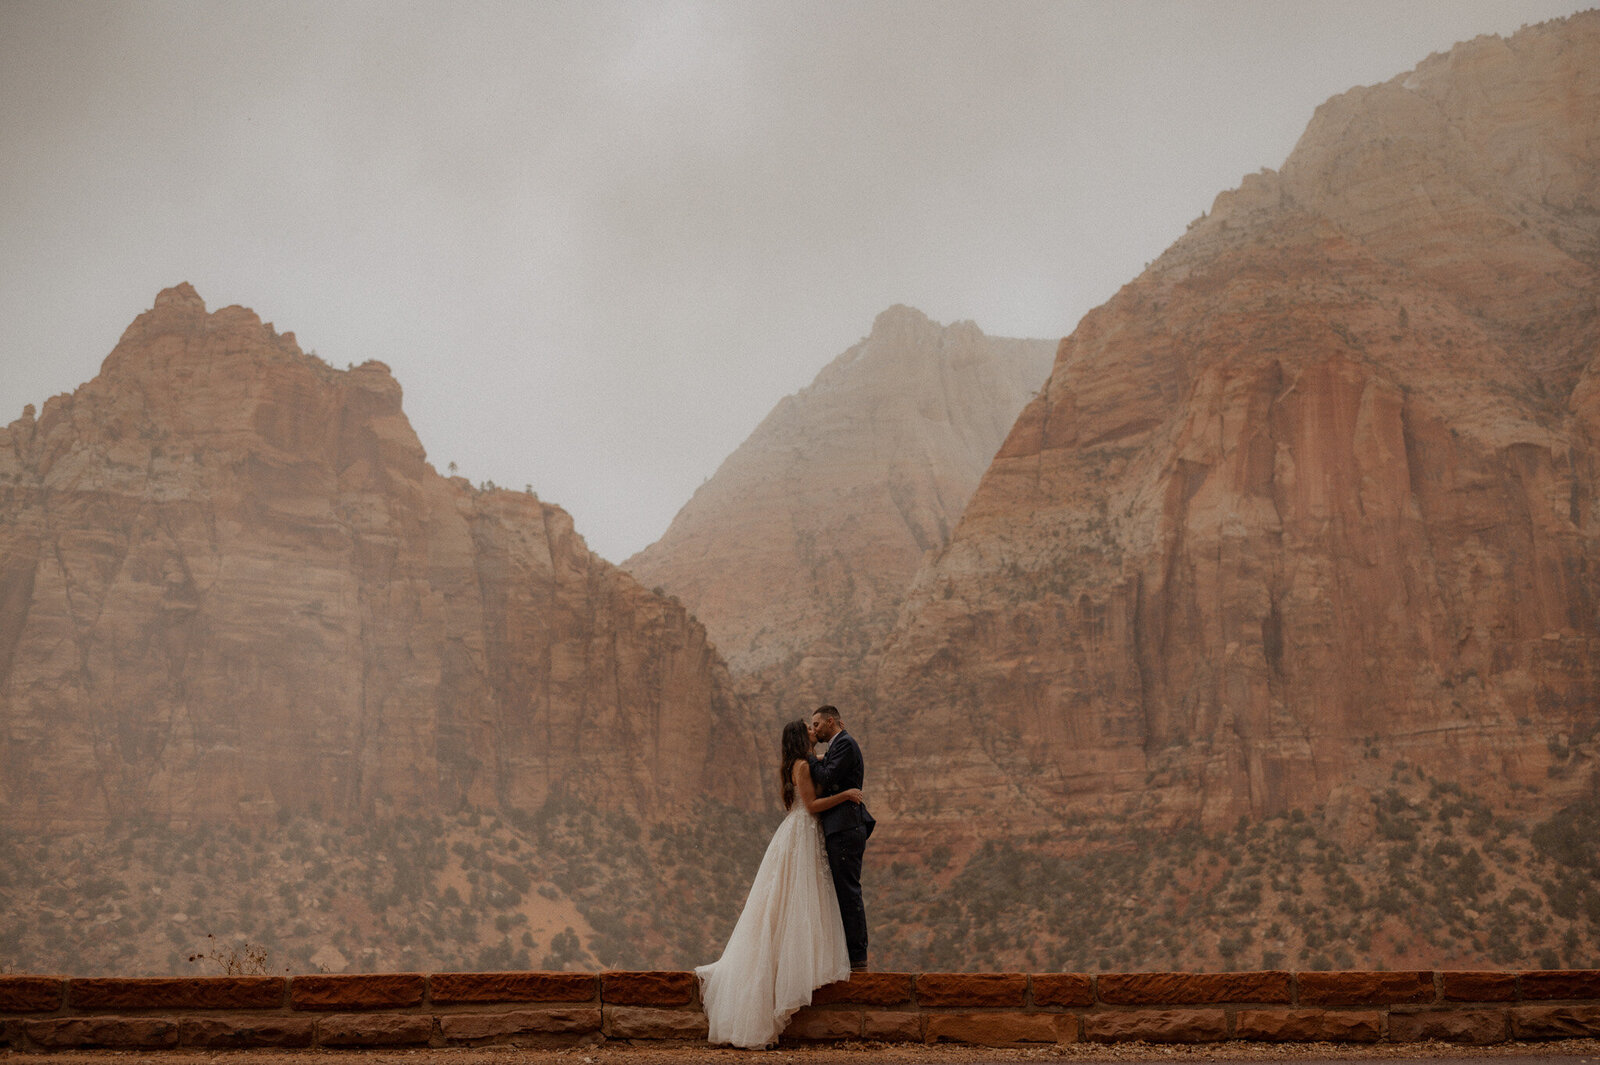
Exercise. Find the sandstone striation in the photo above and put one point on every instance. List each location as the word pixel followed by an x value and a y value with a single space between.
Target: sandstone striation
pixel 797 553
pixel 232 587
pixel 1313 496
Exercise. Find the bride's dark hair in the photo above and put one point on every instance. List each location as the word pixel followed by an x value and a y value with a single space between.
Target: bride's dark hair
pixel 796 748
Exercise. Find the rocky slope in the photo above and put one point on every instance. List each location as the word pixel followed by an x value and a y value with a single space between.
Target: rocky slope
pixel 797 554
pixel 1313 496
pixel 232 589
pixel 565 886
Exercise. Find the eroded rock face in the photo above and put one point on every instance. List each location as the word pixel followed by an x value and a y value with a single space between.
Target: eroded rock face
pixel 798 552
pixel 1313 495
pixel 231 585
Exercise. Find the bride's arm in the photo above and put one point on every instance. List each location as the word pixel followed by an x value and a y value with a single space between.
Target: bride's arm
pixel 808 792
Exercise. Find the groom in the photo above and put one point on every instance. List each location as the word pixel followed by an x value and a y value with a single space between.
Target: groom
pixel 845 827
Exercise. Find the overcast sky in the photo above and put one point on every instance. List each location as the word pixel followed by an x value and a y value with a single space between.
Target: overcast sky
pixel 596 241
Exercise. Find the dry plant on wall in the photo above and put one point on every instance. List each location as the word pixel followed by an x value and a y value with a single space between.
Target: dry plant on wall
pixel 247 959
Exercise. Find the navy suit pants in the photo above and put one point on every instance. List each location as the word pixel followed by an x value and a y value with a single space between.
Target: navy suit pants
pixel 844 862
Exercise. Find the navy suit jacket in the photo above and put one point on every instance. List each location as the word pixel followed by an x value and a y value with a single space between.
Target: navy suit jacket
pixel 840 769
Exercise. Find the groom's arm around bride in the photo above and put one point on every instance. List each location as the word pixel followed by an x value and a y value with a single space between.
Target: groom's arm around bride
pixel 840 768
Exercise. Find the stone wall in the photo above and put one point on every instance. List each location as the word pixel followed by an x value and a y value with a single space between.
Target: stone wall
pixel 544 1008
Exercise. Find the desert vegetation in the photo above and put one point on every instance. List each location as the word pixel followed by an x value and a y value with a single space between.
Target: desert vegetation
pixel 559 888
pixel 1444 881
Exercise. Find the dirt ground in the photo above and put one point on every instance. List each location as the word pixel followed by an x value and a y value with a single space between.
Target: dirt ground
pixel 1575 1052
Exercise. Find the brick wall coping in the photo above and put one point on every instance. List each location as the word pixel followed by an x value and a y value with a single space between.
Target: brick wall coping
pixel 559 1008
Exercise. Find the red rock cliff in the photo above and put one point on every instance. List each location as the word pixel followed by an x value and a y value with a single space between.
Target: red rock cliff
pixel 1314 494
pixel 231 585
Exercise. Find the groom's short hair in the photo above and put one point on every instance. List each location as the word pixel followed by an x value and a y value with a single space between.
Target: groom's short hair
pixel 830 711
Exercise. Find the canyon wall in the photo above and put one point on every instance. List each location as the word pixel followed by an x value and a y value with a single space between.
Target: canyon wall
pixel 232 588
pixel 1313 496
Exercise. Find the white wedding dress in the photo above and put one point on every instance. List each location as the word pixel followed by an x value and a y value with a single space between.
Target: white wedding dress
pixel 789 940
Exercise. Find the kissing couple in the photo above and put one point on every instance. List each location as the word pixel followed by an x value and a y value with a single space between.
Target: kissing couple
pixel 803 924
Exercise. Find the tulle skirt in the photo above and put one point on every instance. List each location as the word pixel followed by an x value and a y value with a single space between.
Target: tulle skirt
pixel 789 940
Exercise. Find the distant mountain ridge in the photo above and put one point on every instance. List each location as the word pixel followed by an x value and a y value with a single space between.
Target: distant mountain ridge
pixel 797 552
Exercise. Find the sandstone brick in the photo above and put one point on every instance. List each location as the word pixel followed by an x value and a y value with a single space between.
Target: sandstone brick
pixel 475 1027
pixel 971 989
pixel 250 1030
pixel 1000 1028
pixel 1562 983
pixel 892 1026
pixel 162 992
pixel 1555 1022
pixel 1449 1026
pixel 447 988
pixel 1364 988
pixel 1156 1026
pixel 640 1022
pixel 1479 986
pixel 374 1029
pixel 866 989
pixel 356 991
pixel 114 1033
pixel 648 988
pixel 1309 1026
pixel 1156 989
pixel 813 1025
pixel 1062 989
pixel 31 994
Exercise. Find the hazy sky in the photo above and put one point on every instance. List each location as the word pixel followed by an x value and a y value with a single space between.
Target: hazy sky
pixel 596 241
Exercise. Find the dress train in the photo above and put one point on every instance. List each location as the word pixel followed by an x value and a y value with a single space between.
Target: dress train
pixel 789 940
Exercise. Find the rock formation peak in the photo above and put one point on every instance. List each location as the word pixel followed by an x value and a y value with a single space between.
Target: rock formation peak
pixel 180 296
pixel 900 317
pixel 903 323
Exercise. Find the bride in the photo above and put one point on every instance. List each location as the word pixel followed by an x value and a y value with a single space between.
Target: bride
pixel 789 938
